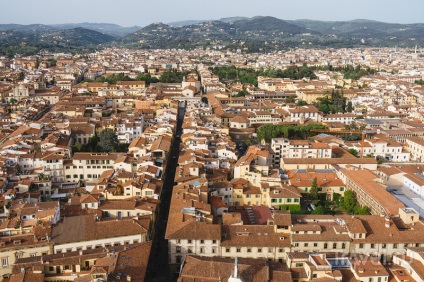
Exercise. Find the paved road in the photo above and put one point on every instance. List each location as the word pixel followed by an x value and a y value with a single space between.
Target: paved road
pixel 157 269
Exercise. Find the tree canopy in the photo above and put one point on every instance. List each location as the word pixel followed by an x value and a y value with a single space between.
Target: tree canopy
pixel 108 141
pixel 247 75
pixel 268 131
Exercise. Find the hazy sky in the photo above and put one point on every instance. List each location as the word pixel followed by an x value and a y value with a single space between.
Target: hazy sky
pixel 141 12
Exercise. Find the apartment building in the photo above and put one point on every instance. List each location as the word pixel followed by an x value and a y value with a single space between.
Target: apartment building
pixel 303 149
pixel 369 192
pixel 89 166
pixel 416 148
pixel 129 261
pixel 17 247
pixel 345 118
pixel 87 232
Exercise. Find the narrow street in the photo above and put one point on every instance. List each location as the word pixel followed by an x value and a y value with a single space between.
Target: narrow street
pixel 157 269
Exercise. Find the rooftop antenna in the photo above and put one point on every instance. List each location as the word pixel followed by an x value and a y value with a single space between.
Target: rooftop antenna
pixel 416 47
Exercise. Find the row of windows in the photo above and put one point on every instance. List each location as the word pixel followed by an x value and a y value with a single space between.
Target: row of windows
pixel 335 245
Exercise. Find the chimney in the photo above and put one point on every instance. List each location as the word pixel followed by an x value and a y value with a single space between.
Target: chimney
pixel 128 278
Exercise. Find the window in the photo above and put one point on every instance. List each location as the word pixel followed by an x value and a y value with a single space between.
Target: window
pixel 344 246
pixel 189 241
pixel 259 250
pixel 372 246
pixel 395 246
pixel 341 189
pixel 238 250
pixel 306 244
pixel 4 261
pixel 202 241
pixel 227 250
pixel 178 249
pixel 315 244
pixel 249 250
pixel 325 246
pixel 361 246
pixel 334 245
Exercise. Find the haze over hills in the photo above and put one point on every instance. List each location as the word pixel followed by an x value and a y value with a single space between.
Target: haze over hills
pixel 257 34
pixel 107 28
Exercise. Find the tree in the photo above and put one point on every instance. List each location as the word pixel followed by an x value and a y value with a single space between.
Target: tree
pixel 242 93
pixel 349 108
pixel 313 194
pixel 358 210
pixel 77 147
pixel 353 152
pixel 301 103
pixel 419 82
pixel 108 141
pixel 349 201
pixel 319 210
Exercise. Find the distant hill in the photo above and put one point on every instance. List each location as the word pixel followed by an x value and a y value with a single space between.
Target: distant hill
pixel 270 25
pixel 77 36
pixel 106 28
pixel 232 30
pixel 21 27
pixel 257 34
pixel 27 42
pixel 363 28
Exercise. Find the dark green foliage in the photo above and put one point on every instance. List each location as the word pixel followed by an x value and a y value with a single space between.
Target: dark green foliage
pixel 313 193
pixel 147 78
pixel 419 82
pixel 353 152
pixel 52 62
pixel 301 103
pixel 268 131
pixel 108 141
pixel 173 76
pixel 291 208
pixel 231 73
pixel 242 93
pixel 349 108
pixel 113 78
pixel 319 210
pixel 30 42
pixel 167 77
pixel 358 210
pixel 336 197
pixel 122 147
pixel 350 204
pixel 332 103
pixel 349 201
pixel 349 71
